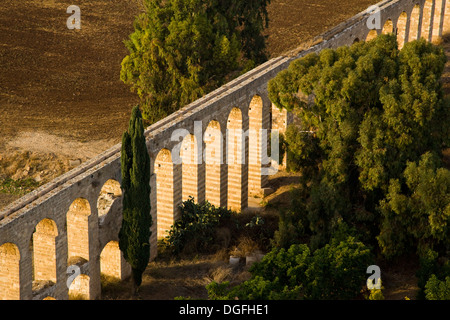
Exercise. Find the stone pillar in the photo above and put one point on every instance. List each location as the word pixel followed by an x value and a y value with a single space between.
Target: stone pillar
pixel 427 19
pixel 193 170
pixel 446 18
pixel 402 35
pixel 168 191
pixel 259 119
pixel 438 20
pixel 153 212
pixel 237 160
pixel 214 165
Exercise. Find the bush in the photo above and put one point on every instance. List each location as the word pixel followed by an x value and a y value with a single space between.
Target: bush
pixel 293 222
pixel 277 277
pixel 196 227
pixel 436 289
pixel 432 268
pixel 336 271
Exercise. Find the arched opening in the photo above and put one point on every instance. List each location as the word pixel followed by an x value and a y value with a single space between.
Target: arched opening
pixel 9 272
pixel 44 253
pixel 388 27
pixel 256 180
pixel 192 176
pixel 372 35
pixel 168 195
pixel 78 231
pixel 414 23
pixel 356 40
pixel 427 20
pixel 213 157
pixel 237 195
pixel 112 262
pixel 437 21
pixel 79 288
pixel 446 25
pixel 108 194
pixel 401 29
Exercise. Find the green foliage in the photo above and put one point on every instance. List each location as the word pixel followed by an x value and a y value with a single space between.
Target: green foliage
pixel 196 227
pixel 277 276
pixel 18 187
pixel 292 222
pixel 134 235
pixel 370 119
pixel 436 289
pixel 417 214
pixel 303 151
pixel 431 266
pixel 336 271
pixel 181 50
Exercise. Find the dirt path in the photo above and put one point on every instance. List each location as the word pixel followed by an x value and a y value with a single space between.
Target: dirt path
pixel 42 142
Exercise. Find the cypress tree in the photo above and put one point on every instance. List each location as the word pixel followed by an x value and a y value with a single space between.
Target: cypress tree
pixel 134 235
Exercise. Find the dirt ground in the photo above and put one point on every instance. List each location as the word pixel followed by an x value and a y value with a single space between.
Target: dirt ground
pixel 60 91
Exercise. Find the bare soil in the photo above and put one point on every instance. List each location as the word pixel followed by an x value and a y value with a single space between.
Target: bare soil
pixel 61 98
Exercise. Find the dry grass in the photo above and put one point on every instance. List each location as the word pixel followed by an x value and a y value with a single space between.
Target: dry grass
pixel 173 278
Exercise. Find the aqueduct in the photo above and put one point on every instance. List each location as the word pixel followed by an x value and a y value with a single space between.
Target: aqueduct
pixel 72 223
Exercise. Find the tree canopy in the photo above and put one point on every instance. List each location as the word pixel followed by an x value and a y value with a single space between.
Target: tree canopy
pixel 372 124
pixel 182 49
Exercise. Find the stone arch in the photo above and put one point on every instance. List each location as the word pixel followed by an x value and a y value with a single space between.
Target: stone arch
pixel 237 195
pixel 372 35
pixel 192 169
pixel 78 231
pixel 79 289
pixel 108 194
pixel 438 21
pixel 446 23
pixel 9 272
pixel 213 158
pixel 44 252
pixel 356 40
pixel 388 27
pixel 112 262
pixel 402 36
pixel 414 23
pixel 168 195
pixel 427 19
pixel 256 181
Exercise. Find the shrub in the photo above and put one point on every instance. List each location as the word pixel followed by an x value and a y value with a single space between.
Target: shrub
pixel 196 227
pixel 432 268
pixel 336 271
pixel 436 289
